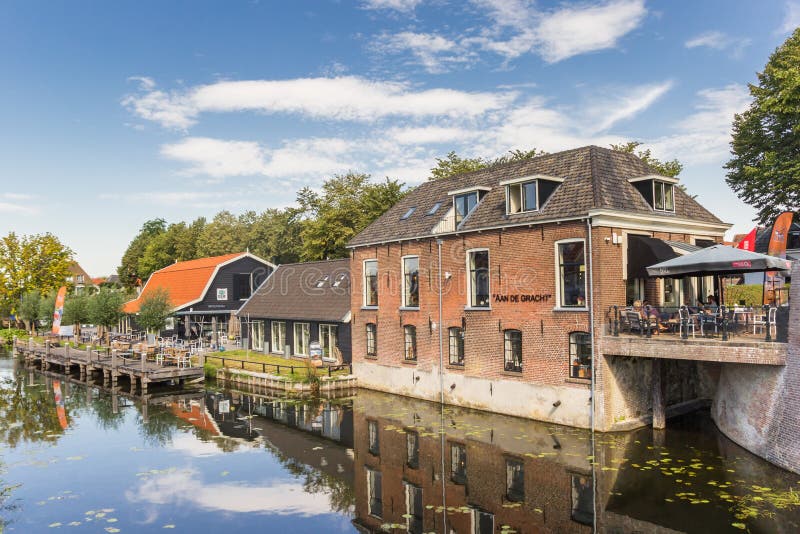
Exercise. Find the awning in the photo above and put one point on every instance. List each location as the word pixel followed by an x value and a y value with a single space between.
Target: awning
pixel 718 260
pixel 644 251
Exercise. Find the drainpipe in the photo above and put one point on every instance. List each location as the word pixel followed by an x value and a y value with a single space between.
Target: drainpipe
pixel 441 341
pixel 590 300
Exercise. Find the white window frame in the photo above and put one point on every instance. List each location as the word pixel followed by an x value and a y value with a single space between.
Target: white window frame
pixel 523 207
pixel 557 262
pixel 257 335
pixel 321 345
pixel 403 303
pixel 274 346
pixel 307 338
pixel 364 281
pixel 664 185
pixel 469 305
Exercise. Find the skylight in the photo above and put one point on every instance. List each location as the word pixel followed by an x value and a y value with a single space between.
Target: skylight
pixel 434 209
pixel 321 281
pixel 407 214
pixel 339 280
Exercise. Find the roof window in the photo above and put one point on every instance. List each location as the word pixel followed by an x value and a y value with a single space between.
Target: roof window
pixel 321 281
pixel 407 214
pixel 434 209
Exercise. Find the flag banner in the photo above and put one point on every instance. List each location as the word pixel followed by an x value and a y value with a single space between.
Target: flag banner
pixel 773 281
pixel 749 242
pixel 59 311
pixel 61 410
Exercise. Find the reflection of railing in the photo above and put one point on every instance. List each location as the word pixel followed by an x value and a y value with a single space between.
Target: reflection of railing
pixel 277 367
pixel 760 323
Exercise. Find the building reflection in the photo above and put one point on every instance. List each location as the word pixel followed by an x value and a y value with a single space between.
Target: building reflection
pixel 422 468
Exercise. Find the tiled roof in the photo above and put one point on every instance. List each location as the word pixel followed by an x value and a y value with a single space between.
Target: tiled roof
pixel 185 281
pixel 314 291
pixel 594 178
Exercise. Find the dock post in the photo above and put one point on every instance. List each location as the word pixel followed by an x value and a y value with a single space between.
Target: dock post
pixel 114 400
pixel 659 396
pixel 45 363
pixel 67 363
pixel 143 381
pixel 14 345
pixel 114 371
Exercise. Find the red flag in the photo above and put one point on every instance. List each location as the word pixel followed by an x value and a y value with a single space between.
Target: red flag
pixel 749 242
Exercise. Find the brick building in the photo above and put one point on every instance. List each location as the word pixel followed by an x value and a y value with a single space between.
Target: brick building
pixel 529 257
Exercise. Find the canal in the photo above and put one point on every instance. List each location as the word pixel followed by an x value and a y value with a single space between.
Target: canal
pixel 79 458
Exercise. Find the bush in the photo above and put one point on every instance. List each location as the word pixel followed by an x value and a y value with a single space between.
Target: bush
pixel 751 294
pixel 210 371
pixel 7 335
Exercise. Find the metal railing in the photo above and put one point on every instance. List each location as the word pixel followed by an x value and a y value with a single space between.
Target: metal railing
pixel 722 321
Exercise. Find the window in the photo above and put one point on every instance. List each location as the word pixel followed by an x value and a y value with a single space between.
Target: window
pixel 412 449
pixel 634 290
pixel 464 204
pixel 374 440
pixel 241 286
pixel 434 209
pixel 371 283
pixel 321 281
pixel 478 278
pixel 411 282
pixel 408 214
pixel 79 279
pixel 278 340
pixel 329 340
pixel 301 338
pixel 482 522
pixel 663 196
pixel 257 335
pixel 410 337
pixel 374 490
pixel 458 463
pixel 372 339
pixel 580 355
pixel 581 499
pixel 572 275
pixel 515 481
pixel 339 279
pixel 521 197
pixel 413 513
pixel 512 350
pixel 456 336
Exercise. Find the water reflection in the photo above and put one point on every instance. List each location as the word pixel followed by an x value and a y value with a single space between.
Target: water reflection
pixel 215 459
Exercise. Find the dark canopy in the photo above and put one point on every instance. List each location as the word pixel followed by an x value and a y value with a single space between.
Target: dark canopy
pixel 643 251
pixel 719 259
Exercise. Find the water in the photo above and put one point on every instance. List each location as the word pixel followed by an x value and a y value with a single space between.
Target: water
pixel 232 461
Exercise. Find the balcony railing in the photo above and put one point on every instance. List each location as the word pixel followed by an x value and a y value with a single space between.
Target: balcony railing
pixel 754 324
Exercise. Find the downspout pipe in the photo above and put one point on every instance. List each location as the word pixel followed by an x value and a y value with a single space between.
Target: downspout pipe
pixel 590 300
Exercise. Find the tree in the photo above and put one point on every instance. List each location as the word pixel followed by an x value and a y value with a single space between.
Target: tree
pixel 154 310
pixel 31 263
pixel 454 164
pixel 29 309
pixel 223 235
pixel 346 205
pixel 765 168
pixel 105 307
pixel 671 168
pixel 128 270
pixel 275 235
pixel 47 306
pixel 76 311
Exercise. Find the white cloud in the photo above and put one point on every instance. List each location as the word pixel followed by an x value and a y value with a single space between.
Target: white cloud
pixel 432 51
pixel 397 5
pixel 19 209
pixel 791 20
pixel 217 158
pixel 342 98
pixel 718 41
pixel 572 31
pixel 704 136
pixel 624 103
pixel 426 135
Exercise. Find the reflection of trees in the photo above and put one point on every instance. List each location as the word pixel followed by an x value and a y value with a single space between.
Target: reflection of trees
pixel 160 426
pixel 103 408
pixel 28 413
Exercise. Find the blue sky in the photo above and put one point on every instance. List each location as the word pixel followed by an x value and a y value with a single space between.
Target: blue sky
pixel 112 113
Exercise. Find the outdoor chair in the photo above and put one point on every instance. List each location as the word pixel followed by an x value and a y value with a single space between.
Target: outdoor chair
pixel 686 321
pixel 760 320
pixel 636 322
pixel 708 321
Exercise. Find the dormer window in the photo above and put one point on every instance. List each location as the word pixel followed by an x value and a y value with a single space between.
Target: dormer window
pixel 465 200
pixel 658 191
pixel 529 193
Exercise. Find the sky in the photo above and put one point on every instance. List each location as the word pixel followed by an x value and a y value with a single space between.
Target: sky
pixel 113 113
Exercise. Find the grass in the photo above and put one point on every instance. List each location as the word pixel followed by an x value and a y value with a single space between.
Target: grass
pixel 255 359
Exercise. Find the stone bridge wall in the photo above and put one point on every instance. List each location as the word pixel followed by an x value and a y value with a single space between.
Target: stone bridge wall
pixel 758 406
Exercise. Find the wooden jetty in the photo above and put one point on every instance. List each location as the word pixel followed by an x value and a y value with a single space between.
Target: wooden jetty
pixel 111 363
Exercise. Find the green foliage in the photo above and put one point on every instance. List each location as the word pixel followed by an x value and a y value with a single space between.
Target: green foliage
pixel 29 308
pixel 76 310
pixel 105 307
pixel 453 164
pixel 346 205
pixel 765 168
pixel 223 235
pixel 47 306
pixel 210 371
pixel 128 270
pixel 7 335
pixel 31 263
pixel 670 168
pixel 154 310
pixel 751 294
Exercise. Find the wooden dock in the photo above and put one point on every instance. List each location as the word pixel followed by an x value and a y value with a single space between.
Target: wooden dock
pixel 110 362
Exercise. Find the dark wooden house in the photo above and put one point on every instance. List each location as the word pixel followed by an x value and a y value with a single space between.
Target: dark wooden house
pixel 298 305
